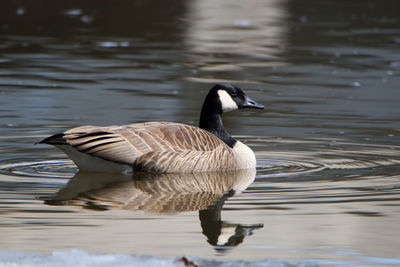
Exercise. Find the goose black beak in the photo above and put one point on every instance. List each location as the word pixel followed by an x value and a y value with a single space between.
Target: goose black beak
pixel 249 103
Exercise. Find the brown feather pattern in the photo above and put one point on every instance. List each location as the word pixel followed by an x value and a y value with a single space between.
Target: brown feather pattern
pixel 154 146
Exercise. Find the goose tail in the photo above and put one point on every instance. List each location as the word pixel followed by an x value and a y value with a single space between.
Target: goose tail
pixel 56 139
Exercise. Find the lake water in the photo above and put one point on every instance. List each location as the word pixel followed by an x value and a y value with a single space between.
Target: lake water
pixel 327 187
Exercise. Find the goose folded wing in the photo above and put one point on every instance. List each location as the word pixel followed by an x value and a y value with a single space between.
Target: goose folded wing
pixel 160 147
pixel 101 143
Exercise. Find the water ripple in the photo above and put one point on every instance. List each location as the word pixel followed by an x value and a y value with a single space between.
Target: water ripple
pixel 275 158
pixel 283 157
pixel 40 169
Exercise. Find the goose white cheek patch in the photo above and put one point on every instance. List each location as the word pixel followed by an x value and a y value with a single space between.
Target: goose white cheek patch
pixel 227 102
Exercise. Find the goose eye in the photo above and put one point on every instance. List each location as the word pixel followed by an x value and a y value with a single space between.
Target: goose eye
pixel 234 93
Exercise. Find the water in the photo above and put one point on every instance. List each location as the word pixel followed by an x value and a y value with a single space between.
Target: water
pixel 327 187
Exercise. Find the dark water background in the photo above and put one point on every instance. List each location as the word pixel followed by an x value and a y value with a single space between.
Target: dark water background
pixel 327 188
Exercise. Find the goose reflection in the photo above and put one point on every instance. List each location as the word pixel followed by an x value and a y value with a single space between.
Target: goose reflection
pixel 165 194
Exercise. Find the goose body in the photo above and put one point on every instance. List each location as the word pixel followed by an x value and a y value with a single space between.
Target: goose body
pixel 165 147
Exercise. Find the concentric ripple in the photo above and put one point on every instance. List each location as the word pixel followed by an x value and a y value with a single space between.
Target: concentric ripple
pixel 275 158
pixel 274 168
pixel 283 157
pixel 40 169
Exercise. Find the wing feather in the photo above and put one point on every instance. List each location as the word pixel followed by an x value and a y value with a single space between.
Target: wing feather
pixel 153 146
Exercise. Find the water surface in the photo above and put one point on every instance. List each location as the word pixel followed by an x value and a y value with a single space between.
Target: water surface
pixel 327 187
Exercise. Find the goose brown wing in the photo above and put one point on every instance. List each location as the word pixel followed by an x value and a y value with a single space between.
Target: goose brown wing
pixel 155 146
pixel 103 143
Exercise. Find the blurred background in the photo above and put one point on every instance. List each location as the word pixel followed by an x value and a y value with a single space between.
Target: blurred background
pixel 328 72
pixel 316 63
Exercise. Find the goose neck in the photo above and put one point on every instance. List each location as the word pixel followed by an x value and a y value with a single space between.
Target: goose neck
pixel 211 121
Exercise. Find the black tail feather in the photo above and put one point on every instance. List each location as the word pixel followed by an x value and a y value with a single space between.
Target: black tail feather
pixel 57 139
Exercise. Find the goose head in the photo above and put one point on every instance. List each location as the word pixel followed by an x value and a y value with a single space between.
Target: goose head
pixel 229 97
pixel 223 97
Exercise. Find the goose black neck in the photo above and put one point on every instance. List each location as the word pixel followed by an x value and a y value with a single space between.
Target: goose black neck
pixel 211 120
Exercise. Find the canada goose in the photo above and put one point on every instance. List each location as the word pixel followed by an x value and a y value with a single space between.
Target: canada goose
pixel 163 146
